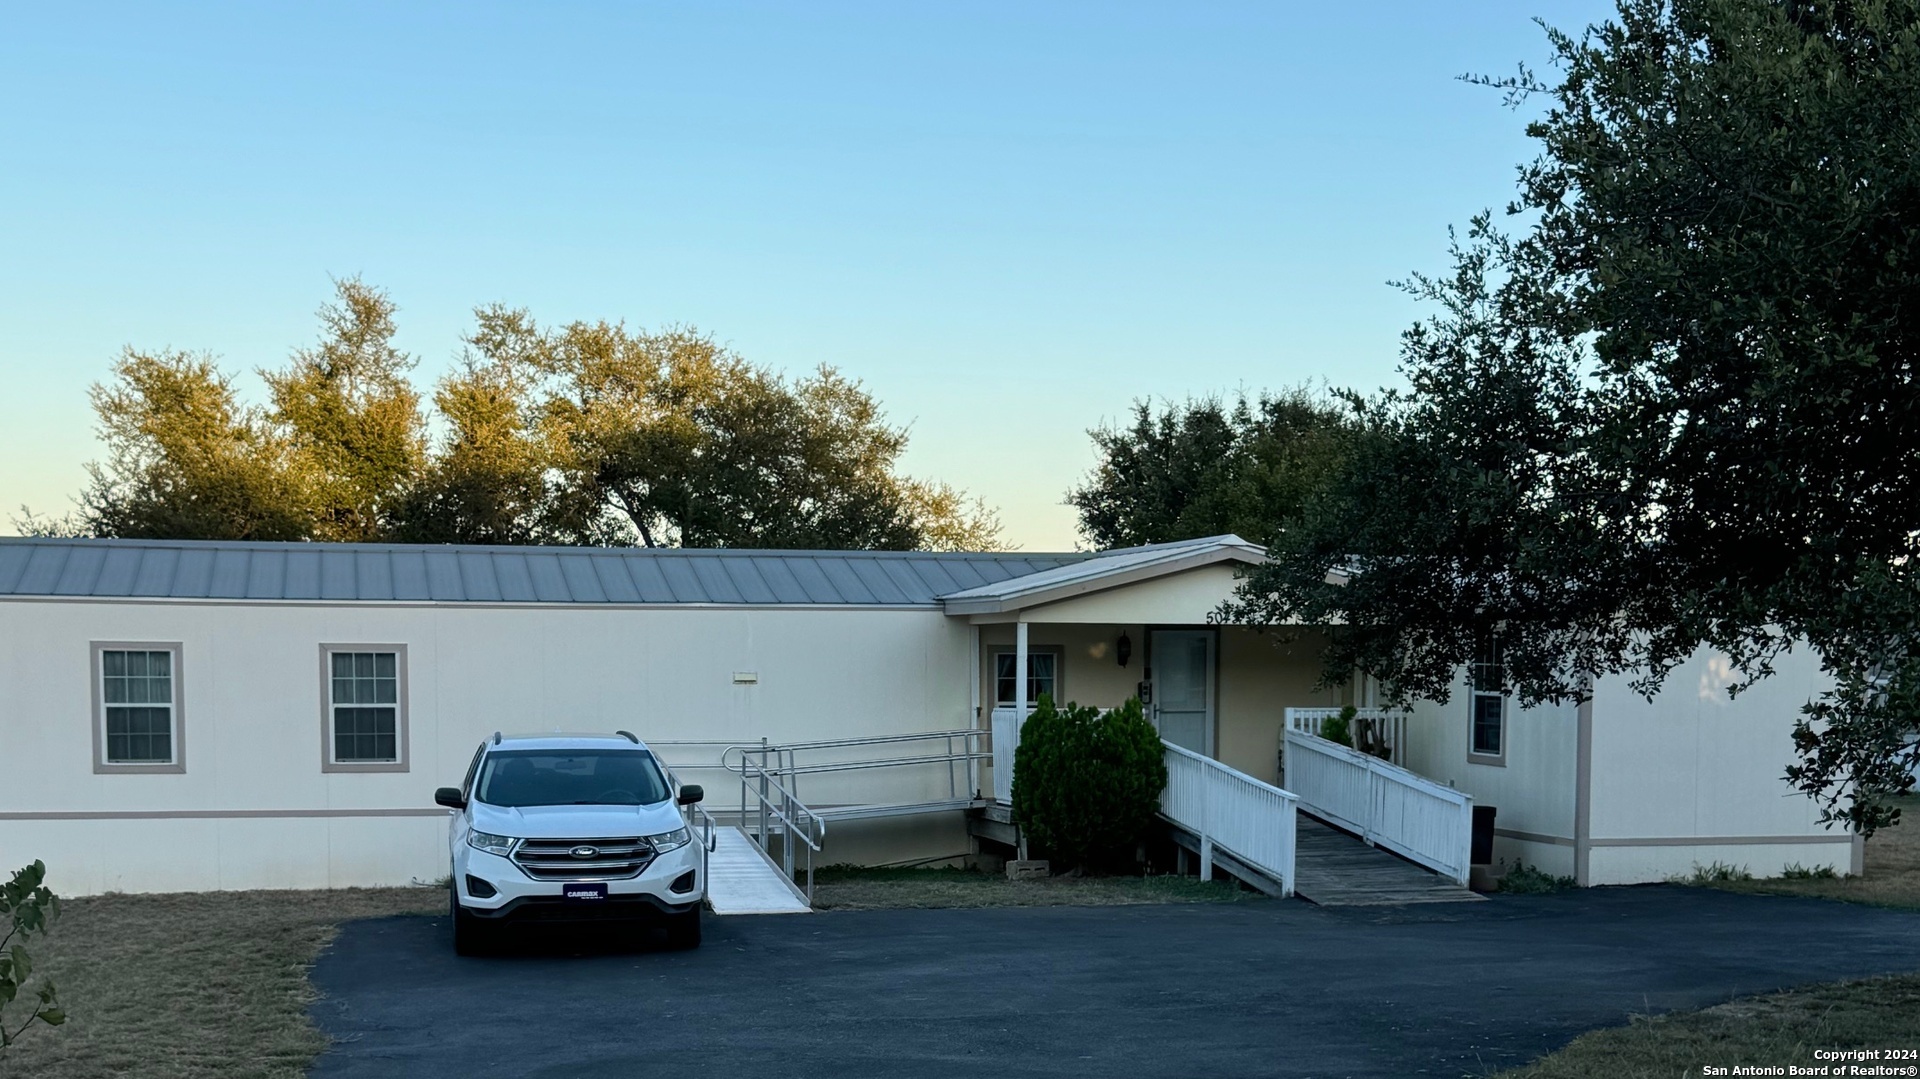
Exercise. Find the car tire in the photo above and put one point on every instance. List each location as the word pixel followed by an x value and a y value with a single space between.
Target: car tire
pixel 471 936
pixel 683 930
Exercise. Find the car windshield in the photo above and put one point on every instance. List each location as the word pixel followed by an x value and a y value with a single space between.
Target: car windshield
pixel 544 777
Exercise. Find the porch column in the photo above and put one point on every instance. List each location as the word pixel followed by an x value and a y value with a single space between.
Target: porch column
pixel 973 674
pixel 1019 674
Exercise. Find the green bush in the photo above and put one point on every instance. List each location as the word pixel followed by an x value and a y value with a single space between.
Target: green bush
pixel 1086 785
pixel 1524 879
pixel 1796 871
pixel 26 908
pixel 1714 873
pixel 1339 728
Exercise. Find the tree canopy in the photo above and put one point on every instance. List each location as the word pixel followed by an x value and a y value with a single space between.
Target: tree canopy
pixel 1203 467
pixel 588 433
pixel 1675 409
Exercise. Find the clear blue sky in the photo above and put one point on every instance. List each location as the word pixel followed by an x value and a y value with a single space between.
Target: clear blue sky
pixel 1009 220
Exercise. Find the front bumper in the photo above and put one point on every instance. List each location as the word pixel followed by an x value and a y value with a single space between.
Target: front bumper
pixel 516 895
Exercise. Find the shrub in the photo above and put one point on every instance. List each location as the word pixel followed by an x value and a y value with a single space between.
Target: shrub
pixel 1714 873
pixel 26 909
pixel 1527 880
pixel 1085 785
pixel 1796 871
pixel 1339 728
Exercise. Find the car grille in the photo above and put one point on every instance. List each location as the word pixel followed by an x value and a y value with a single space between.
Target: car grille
pixel 560 859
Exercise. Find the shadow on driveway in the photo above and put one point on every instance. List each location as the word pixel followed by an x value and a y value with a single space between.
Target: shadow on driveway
pixel 1261 988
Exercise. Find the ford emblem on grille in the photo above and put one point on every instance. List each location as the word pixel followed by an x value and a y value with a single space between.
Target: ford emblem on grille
pixel 585 852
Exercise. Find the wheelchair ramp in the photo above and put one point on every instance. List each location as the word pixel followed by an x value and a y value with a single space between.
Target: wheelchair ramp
pixel 1338 870
pixel 741 879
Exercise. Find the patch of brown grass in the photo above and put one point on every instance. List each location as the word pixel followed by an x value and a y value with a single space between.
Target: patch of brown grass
pixel 192 985
pixel 1770 1031
pixel 851 888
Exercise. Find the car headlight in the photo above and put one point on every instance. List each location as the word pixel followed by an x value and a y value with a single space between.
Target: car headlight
pixel 492 844
pixel 667 841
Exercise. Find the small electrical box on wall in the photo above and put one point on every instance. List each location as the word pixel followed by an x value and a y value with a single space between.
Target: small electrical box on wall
pixel 746 678
pixel 1145 691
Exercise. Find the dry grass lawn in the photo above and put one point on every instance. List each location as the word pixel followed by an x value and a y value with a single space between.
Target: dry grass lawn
pixel 1771 1031
pixel 853 888
pixel 194 985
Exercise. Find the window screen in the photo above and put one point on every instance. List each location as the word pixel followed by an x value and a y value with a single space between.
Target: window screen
pixel 365 688
pixel 136 691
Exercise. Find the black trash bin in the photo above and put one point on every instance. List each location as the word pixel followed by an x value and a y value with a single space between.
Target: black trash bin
pixel 1482 835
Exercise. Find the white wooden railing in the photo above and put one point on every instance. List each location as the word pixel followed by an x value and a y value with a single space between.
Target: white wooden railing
pixel 1006 739
pixel 1231 810
pixel 1382 803
pixel 1392 725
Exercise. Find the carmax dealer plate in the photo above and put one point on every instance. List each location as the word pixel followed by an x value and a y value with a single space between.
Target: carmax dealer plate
pixel 584 893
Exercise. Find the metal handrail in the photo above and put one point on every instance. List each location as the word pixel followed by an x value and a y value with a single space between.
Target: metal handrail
pixel 888 762
pixel 790 811
pixel 835 743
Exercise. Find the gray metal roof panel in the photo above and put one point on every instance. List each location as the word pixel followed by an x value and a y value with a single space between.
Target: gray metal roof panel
pixel 194 576
pixel 744 574
pixel 338 579
pixel 266 577
pixel 779 581
pixel 230 572
pixel 583 585
pixel 510 576
pixel 846 584
pixel 118 572
pixel 13 563
pixel 813 580
pixel 549 584
pixel 303 575
pixel 176 569
pixel 715 586
pixel 80 572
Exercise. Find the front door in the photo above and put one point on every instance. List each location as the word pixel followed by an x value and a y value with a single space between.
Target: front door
pixel 1182 707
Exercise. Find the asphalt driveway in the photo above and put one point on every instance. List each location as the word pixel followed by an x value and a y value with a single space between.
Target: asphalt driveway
pixel 1254 989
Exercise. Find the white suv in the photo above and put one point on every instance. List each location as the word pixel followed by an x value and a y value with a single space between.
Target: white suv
pixel 572 827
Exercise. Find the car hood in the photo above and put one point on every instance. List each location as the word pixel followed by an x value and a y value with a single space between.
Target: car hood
pixel 577 822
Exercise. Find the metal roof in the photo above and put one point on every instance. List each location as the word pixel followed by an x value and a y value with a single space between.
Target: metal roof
pixel 363 572
pixel 1109 569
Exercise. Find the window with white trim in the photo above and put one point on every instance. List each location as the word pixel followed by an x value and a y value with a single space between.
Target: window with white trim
pixel 139 712
pixel 1043 676
pixel 366 713
pixel 1487 701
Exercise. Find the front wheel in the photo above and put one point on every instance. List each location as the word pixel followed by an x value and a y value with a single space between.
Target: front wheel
pixel 683 930
pixel 471 935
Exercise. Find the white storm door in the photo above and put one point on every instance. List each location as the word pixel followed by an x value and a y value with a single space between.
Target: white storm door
pixel 1183 687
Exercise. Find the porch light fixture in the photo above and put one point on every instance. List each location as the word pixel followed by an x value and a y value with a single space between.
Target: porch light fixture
pixel 1124 648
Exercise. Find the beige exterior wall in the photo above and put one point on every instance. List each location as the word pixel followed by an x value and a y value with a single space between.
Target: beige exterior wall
pixel 1694 764
pixel 1262 674
pixel 1257 676
pixel 1090 671
pixel 1533 793
pixel 1180 599
pixel 253 723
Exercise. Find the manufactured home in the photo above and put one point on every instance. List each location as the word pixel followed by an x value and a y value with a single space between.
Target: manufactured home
pixel 221 715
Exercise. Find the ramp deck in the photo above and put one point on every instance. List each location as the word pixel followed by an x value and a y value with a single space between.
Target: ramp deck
pixel 1333 868
pixel 741 879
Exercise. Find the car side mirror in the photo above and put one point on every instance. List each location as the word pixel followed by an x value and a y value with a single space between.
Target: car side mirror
pixel 449 797
pixel 691 793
